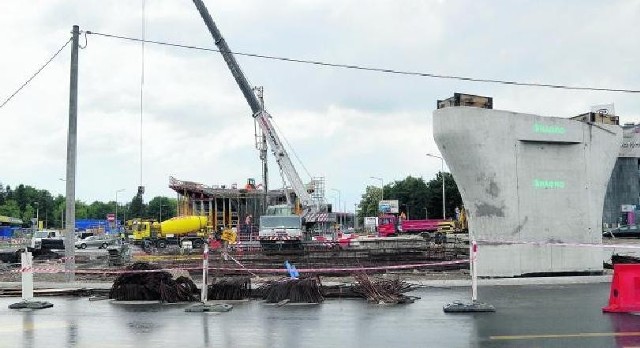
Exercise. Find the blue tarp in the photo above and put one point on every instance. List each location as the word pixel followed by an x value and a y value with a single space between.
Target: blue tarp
pixel 7 231
pixel 84 224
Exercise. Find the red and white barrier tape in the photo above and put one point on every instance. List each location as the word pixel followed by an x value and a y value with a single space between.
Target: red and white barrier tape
pixel 488 242
pixel 254 270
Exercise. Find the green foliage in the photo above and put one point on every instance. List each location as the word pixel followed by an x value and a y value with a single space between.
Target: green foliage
pixel 368 205
pixel 25 202
pixel 10 208
pixel 434 196
pixel 417 198
pixel 411 195
pixel 161 208
pixel 137 208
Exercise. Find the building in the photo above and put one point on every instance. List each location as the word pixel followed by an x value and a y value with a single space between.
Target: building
pixel 8 226
pixel 622 202
pixel 241 207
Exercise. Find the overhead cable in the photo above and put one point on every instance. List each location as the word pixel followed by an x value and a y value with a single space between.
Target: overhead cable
pixel 382 70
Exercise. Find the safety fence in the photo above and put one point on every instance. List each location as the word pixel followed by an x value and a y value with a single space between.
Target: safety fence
pixel 240 269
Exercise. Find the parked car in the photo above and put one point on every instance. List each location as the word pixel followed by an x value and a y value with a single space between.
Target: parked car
pixel 623 231
pixel 101 241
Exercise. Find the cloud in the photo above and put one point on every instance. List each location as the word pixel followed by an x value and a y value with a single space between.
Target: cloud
pixel 346 125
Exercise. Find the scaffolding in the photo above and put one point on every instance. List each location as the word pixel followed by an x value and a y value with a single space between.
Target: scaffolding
pixel 225 207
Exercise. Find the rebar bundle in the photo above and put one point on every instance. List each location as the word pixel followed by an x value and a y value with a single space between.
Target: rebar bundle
pixel 382 290
pixel 152 286
pixel 229 288
pixel 306 290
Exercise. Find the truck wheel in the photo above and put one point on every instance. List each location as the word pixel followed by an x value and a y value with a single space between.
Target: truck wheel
pixel 197 243
pixel 161 244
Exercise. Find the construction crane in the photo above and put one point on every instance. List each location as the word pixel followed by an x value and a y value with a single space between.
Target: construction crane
pixel 259 114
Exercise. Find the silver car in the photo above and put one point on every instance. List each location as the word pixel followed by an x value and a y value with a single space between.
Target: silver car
pixel 101 241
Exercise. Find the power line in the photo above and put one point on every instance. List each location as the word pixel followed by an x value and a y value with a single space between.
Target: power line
pixel 36 73
pixel 382 70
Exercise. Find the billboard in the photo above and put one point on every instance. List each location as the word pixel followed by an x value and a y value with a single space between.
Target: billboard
pixel 630 141
pixel 626 208
pixel 370 221
pixel 389 206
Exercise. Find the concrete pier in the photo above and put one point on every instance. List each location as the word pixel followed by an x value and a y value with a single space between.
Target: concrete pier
pixel 528 178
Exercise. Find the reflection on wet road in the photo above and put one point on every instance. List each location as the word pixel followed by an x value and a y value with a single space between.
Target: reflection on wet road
pixel 540 316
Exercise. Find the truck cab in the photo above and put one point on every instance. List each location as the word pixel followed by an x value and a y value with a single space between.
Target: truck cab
pixel 50 237
pixel 281 228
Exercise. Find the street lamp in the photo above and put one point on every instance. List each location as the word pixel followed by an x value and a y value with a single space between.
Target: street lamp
pixel 381 186
pixel 37 215
pixel 444 214
pixel 339 201
pixel 120 190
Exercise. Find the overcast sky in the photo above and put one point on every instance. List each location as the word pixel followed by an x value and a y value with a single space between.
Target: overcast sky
pixel 345 125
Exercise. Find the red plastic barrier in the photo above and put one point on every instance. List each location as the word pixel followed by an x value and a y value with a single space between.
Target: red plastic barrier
pixel 625 289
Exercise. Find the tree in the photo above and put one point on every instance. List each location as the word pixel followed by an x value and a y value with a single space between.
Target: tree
pixel 415 197
pixel 82 210
pixel 3 194
pixel 161 208
pixel 368 205
pixel 411 194
pixel 434 196
pixel 10 208
pixel 137 208
pixel 28 213
pixel 99 210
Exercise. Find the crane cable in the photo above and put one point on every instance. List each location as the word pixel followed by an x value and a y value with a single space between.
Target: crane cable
pixel 295 154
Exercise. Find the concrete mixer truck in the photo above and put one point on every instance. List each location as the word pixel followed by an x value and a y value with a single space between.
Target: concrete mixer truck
pixel 173 231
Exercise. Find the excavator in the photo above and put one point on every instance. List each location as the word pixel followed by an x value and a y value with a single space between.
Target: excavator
pixel 284 226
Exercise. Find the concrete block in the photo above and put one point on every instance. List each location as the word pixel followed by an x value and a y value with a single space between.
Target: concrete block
pixel 527 178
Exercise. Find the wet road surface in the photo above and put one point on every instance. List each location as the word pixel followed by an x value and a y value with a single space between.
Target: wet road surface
pixel 527 316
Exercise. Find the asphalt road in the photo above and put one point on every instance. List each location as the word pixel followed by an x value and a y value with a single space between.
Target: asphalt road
pixel 527 316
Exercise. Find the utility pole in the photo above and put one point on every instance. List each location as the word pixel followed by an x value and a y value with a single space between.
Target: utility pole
pixel 72 155
pixel 117 227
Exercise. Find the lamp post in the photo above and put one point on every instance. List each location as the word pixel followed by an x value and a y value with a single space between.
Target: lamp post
pixel 444 214
pixel 339 201
pixel 381 186
pixel 37 215
pixel 120 190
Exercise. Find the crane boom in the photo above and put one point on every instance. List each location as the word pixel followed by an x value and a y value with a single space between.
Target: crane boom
pixel 262 117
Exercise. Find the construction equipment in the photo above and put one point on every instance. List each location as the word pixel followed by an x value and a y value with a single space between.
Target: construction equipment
pixel 262 118
pixel 173 231
pixel 392 224
pixel 47 239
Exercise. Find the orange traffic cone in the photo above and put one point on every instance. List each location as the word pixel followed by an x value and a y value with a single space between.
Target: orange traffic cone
pixel 625 289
